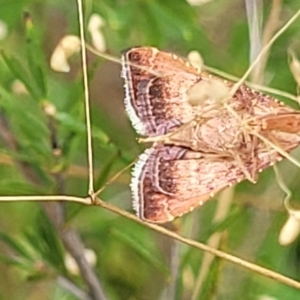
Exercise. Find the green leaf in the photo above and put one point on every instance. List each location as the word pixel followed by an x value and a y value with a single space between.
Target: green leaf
pixel 46 242
pixel 142 251
pixel 12 186
pixel 21 73
pixel 15 245
pixel 15 262
pixel 77 126
pixel 35 57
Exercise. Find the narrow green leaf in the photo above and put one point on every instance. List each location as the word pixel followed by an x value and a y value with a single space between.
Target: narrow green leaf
pixel 20 73
pixel 142 251
pixel 49 248
pixel 14 245
pixel 15 262
pixel 35 57
pixel 78 126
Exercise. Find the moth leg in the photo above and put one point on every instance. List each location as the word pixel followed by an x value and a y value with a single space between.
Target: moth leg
pixel 240 163
pixel 244 149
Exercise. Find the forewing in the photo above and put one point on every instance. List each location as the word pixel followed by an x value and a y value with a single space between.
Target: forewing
pixel 157 101
pixel 156 85
pixel 170 181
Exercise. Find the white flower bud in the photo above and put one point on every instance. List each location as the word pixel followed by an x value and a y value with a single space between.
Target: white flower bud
pixel 71 264
pixel 197 2
pixel 195 59
pixel 94 27
pixel 3 30
pixel 18 87
pixel 291 229
pixel 266 297
pixel 49 109
pixel 68 45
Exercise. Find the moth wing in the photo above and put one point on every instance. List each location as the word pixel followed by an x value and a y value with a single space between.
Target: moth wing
pixel 156 85
pixel 169 181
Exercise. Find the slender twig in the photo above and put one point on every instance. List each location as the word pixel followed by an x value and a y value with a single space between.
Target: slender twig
pixel 34 198
pixel 263 51
pixel 66 284
pixel 69 236
pixel 224 203
pixel 218 253
pixel 236 260
pixel 256 76
pixel 252 85
pixel 55 212
pixel 75 246
pixel 283 187
pixel 208 68
pixel 98 192
pixel 271 26
pixel 254 18
pixel 174 264
pixel 86 101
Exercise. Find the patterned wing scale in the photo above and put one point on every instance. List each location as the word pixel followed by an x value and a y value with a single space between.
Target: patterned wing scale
pixel 156 84
pixel 169 181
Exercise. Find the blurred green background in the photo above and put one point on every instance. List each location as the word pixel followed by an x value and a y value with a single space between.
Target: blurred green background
pixel 42 154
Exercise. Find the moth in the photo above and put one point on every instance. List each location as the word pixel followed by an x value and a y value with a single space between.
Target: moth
pixel 200 146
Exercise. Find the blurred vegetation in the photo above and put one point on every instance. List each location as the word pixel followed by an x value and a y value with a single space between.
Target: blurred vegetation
pixel 42 154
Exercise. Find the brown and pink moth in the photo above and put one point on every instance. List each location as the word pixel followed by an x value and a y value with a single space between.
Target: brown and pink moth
pixel 199 147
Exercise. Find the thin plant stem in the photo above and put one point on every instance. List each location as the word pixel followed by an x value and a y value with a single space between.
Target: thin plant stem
pixel 263 51
pixel 236 260
pixel 233 259
pixel 87 102
pixel 224 203
pixel 46 198
pixel 68 285
pixel 271 26
pixel 252 85
pixel 284 188
pixel 97 193
pixel 208 68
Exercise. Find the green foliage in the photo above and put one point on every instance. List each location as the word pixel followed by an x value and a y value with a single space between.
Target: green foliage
pixel 37 252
